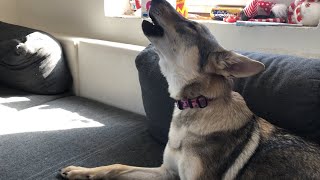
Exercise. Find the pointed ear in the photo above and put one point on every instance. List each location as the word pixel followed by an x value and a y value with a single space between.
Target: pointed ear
pixel 236 65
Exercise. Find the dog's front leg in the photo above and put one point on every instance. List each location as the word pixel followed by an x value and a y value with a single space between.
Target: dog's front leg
pixel 117 172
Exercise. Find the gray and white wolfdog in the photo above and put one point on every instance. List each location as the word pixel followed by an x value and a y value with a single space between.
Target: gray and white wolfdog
pixel 213 134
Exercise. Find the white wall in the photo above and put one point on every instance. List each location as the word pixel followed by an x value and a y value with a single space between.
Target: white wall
pixel 108 74
pixel 105 71
pixel 86 18
pixel 300 41
pixel 8 10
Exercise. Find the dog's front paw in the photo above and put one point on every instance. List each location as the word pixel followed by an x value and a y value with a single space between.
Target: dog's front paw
pixel 76 173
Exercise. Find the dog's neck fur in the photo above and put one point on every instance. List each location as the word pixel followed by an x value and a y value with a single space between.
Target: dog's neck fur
pixel 228 111
pixel 211 86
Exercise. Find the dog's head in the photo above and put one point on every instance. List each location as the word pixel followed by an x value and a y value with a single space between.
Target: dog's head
pixel 188 51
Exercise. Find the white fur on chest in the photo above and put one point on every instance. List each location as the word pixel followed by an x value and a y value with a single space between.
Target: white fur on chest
pixel 173 154
pixel 184 163
pixel 176 137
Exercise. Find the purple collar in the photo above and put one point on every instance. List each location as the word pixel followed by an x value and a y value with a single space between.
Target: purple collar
pixel 198 102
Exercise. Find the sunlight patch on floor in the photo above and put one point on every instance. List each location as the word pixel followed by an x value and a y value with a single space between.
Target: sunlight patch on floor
pixel 42 118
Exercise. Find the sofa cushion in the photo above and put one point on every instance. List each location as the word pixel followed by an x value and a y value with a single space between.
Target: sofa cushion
pixel 32 60
pixel 287 93
pixel 39 141
pixel 157 103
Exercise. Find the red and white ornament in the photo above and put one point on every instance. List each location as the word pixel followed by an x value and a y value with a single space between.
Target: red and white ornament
pixel 305 12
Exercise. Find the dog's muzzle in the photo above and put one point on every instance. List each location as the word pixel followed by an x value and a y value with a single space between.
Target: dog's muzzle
pixel 152 29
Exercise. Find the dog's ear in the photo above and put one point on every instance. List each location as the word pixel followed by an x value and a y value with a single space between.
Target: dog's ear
pixel 231 64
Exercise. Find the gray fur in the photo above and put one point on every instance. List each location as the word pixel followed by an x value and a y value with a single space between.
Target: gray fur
pixel 219 150
pixel 283 156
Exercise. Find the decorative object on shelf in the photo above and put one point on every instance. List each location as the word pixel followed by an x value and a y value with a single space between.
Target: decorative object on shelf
pixel 182 7
pixel 305 12
pixel 221 12
pixel 146 4
pixel 272 10
pixel 135 4
pixel 231 19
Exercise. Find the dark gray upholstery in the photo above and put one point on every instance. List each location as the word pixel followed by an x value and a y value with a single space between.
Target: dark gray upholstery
pixel 286 94
pixel 157 103
pixel 112 136
pixel 32 61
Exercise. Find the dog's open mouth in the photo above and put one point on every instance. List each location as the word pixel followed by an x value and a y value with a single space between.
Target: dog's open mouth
pixel 152 29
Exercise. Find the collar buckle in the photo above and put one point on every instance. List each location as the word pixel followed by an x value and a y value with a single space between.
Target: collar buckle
pixel 180 104
pixel 202 101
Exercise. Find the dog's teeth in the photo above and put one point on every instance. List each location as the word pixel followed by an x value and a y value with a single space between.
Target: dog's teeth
pixel 150 20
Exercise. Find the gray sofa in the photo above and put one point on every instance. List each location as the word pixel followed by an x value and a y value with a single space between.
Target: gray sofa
pixel 40 134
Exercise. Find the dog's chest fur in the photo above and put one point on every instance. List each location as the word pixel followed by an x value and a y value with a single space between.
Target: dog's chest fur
pixel 176 137
pixel 212 153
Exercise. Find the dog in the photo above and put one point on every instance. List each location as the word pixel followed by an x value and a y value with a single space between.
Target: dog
pixel 213 134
